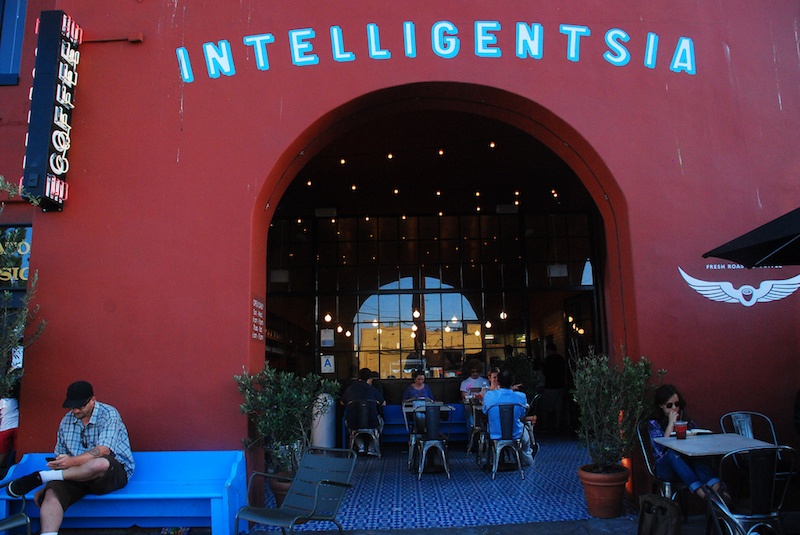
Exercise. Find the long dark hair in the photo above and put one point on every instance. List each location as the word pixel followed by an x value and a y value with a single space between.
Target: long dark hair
pixel 661 396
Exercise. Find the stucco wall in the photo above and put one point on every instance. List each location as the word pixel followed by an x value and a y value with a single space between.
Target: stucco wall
pixel 147 276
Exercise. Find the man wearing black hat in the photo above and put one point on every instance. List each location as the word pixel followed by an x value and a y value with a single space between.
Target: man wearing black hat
pixel 93 456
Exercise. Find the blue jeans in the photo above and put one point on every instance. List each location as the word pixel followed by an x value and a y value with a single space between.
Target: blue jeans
pixel 694 473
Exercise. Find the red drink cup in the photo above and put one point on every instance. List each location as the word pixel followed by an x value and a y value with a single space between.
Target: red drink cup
pixel 680 429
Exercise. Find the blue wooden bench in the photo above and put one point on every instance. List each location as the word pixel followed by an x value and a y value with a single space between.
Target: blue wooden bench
pixel 168 489
pixel 394 427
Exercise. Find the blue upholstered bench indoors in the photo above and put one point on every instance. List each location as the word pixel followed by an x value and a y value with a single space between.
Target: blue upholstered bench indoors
pixel 394 427
pixel 168 489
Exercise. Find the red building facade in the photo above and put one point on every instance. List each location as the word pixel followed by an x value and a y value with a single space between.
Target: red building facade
pixel 191 119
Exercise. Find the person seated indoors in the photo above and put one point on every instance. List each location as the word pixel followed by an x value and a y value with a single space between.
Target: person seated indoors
pixel 363 390
pixel 418 388
pixel 502 396
pixel 474 380
pixel 668 407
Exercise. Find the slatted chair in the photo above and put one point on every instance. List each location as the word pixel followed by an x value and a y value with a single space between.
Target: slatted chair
pixel 664 487
pixel 506 440
pixel 367 423
pixel 430 437
pixel 760 498
pixel 17 520
pixel 316 491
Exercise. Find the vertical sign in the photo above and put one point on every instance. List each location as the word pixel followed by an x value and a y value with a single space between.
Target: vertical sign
pixel 52 101
pixel 257 333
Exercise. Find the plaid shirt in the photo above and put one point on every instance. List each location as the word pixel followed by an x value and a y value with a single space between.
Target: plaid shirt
pixel 105 428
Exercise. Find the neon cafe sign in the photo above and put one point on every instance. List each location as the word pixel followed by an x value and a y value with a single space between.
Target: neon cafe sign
pixel 55 77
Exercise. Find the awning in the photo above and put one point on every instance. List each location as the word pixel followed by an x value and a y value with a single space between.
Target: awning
pixel 776 243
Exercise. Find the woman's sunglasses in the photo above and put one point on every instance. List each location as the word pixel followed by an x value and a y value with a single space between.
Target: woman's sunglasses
pixel 677 404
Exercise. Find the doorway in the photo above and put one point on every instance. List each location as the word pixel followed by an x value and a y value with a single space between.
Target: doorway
pixel 426 238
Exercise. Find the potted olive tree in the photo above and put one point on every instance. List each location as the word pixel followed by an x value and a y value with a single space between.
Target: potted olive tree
pixel 282 406
pixel 611 399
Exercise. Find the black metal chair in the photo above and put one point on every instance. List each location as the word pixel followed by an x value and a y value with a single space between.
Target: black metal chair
pixel 664 487
pixel 316 492
pixel 478 427
pixel 754 425
pixel 17 520
pixel 506 440
pixel 751 474
pixel 366 423
pixel 429 437
pixel 411 417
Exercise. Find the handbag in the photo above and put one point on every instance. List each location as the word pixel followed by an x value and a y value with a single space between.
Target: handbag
pixel 659 516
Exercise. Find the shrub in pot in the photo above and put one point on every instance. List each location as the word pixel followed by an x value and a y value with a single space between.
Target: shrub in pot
pixel 281 407
pixel 611 400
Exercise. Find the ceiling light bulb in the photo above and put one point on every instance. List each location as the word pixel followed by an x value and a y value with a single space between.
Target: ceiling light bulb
pixel 375 322
pixel 348 334
pixel 396 191
pixel 413 335
pixel 339 329
pixel 390 156
pixel 454 319
pixel 503 315
pixel 353 187
pixel 415 313
pixel 491 144
pixel 488 324
pixel 447 329
pixel 414 328
pixel 328 318
pixel 441 152
pixel 342 161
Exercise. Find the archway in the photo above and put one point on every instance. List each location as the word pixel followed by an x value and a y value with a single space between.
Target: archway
pixel 354 132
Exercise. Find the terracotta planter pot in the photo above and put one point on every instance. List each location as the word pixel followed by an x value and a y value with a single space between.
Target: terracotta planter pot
pixel 603 491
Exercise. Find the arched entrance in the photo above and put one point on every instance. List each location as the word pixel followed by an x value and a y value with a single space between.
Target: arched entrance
pixel 482 192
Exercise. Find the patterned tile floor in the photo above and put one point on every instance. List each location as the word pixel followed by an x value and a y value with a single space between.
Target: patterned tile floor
pixel 386 495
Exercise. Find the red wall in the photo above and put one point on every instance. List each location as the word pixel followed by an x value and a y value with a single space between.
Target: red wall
pixel 147 276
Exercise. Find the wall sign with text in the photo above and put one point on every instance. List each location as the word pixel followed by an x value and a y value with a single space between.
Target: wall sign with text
pixel 52 102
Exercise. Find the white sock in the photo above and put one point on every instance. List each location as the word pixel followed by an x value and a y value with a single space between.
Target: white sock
pixel 49 533
pixel 51 475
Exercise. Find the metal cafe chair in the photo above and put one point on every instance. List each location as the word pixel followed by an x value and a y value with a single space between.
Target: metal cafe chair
pixel 18 519
pixel 365 410
pixel 759 495
pixel 754 425
pixel 316 492
pixel 506 440
pixel 430 437
pixel 411 416
pixel 664 487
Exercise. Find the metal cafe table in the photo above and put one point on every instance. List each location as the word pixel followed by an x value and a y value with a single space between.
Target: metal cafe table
pixel 701 445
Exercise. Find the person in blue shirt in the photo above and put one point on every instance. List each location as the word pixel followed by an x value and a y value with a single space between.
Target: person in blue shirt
pixel 92 456
pixel 505 395
pixel 417 389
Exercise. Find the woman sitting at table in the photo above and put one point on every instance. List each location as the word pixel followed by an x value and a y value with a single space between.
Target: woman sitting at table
pixel 669 464
pixel 417 389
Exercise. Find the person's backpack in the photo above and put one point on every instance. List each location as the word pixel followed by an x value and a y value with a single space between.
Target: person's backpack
pixel 659 516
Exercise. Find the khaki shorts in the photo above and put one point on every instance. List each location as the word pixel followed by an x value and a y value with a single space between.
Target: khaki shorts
pixel 69 492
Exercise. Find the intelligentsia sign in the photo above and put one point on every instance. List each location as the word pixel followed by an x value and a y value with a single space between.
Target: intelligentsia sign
pixel 306 48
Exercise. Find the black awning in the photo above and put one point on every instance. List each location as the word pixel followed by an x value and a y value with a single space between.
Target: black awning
pixel 776 243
